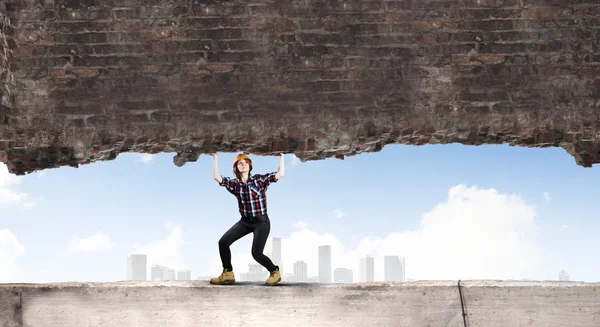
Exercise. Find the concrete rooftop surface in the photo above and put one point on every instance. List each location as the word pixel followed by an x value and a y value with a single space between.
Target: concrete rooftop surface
pixel 197 303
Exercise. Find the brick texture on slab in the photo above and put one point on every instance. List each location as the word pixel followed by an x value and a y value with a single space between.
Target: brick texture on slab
pixel 86 80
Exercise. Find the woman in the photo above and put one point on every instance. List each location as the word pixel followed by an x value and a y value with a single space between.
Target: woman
pixel 250 191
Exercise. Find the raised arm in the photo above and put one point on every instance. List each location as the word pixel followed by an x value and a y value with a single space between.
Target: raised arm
pixel 216 174
pixel 279 173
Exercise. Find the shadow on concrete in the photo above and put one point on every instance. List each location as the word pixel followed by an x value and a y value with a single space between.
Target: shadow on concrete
pixel 280 284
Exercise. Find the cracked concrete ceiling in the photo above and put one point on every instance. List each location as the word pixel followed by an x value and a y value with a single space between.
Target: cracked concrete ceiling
pixel 86 80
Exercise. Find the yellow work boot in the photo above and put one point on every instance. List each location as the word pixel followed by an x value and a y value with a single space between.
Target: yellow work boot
pixel 274 278
pixel 226 277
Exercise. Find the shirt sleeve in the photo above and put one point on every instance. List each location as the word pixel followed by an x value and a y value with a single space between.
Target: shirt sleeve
pixel 228 184
pixel 266 179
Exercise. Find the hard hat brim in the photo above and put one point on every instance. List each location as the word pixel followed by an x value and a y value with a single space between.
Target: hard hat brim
pixel 240 157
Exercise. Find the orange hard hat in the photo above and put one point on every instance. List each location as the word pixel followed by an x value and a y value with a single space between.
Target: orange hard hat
pixel 240 157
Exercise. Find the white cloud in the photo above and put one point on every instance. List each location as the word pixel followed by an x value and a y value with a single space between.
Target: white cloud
pixel 547 196
pixel 165 252
pixel 295 161
pixel 29 204
pixel 9 197
pixel 6 179
pixel 94 243
pixel 474 234
pixel 10 250
pixel 145 158
pixel 563 227
pixel 338 213
pixel 300 224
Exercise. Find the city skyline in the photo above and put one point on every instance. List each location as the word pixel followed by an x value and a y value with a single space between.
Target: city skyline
pixel 256 272
pixel 394 269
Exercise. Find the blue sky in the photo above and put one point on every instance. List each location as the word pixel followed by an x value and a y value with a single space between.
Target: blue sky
pixel 453 211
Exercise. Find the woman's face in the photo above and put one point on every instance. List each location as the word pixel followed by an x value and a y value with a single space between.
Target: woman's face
pixel 243 166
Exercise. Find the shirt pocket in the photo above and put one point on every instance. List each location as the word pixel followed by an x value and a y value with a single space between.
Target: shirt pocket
pixel 256 192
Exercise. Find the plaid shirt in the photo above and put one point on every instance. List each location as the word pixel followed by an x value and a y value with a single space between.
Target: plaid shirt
pixel 252 196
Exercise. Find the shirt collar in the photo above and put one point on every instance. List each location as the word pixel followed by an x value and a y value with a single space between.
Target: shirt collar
pixel 250 178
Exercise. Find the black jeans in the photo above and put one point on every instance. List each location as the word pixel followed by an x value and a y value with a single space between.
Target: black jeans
pixel 260 227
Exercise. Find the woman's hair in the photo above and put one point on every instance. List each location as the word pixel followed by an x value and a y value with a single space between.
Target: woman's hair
pixel 236 171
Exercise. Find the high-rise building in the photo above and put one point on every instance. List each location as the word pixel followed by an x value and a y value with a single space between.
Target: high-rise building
pixel 255 268
pixel 342 275
pixel 158 272
pixel 277 252
pixel 183 274
pixel 136 267
pixel 564 276
pixel 325 264
pixel 312 279
pixel 402 269
pixel 256 273
pixel 367 269
pixel 393 268
pixel 169 274
pixel 300 272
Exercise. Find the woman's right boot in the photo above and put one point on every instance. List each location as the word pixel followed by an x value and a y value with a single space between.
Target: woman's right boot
pixel 226 277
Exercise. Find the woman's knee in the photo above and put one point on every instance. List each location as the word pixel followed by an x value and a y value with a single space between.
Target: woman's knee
pixel 256 254
pixel 224 242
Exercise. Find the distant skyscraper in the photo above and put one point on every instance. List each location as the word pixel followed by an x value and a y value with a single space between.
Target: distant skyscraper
pixel 277 252
pixel 256 273
pixel 255 268
pixel 342 275
pixel 393 268
pixel 300 272
pixel 158 272
pixel 325 264
pixel 184 274
pixel 168 274
pixel 136 267
pixel 563 276
pixel 367 269
pixel 402 269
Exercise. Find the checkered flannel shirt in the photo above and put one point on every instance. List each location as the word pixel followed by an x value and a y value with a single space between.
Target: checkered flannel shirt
pixel 251 196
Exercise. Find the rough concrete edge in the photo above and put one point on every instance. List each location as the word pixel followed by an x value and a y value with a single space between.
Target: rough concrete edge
pixel 11 309
pixel 366 285
pixel 8 84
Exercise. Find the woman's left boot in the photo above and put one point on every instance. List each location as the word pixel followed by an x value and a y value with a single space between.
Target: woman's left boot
pixel 274 278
